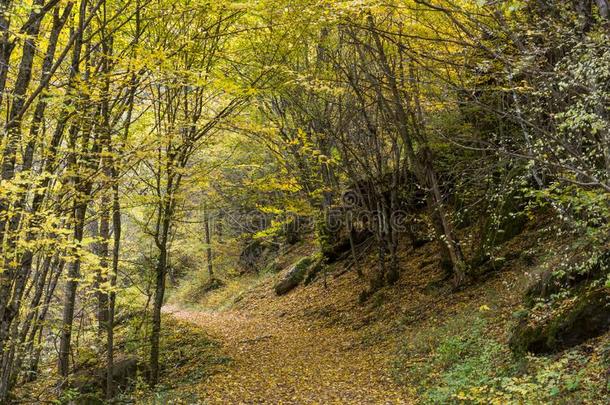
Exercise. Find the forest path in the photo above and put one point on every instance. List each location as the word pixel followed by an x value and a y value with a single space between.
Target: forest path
pixel 276 359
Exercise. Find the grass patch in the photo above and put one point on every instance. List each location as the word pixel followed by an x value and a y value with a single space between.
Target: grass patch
pixel 194 292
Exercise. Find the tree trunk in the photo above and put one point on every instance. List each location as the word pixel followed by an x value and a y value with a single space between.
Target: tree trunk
pixel 80 210
pixel 12 281
pixel 102 274
pixel 208 248
pixel 116 227
pixel 39 322
pixel 452 246
pixel 165 212
pixel 82 189
pixel 423 163
pixel 161 271
pixel 6 45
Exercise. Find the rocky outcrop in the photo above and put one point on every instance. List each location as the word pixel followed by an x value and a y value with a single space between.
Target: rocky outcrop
pixel 294 276
pixel 551 282
pixel 314 270
pixel 566 307
pixel 576 321
pixel 123 373
pixel 338 246
pixel 256 254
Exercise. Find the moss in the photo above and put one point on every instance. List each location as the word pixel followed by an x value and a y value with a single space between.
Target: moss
pixel 294 277
pixel 302 265
pixel 325 237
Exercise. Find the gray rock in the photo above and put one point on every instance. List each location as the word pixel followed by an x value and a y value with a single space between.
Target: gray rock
pixel 294 276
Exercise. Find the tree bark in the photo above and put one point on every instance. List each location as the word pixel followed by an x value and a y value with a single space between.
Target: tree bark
pixel 161 271
pixel 80 210
pixel 208 246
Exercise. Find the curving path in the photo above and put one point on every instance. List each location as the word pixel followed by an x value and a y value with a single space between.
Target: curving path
pixel 279 360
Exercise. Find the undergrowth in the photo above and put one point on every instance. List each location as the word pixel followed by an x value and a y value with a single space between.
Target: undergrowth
pixel 189 292
pixel 461 362
pixel 188 358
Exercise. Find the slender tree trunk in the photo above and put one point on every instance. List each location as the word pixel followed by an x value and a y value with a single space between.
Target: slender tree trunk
pixel 6 45
pixel 161 272
pixel 116 223
pixel 453 247
pixel 38 325
pixel 12 281
pixel 165 214
pixel 208 248
pixel 350 232
pixel 80 210
pixel 116 227
pixel 394 271
pixel 12 359
pixel 102 275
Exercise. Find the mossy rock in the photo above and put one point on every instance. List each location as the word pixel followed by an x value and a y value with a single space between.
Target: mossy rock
pixel 90 382
pixel 294 277
pixel 588 316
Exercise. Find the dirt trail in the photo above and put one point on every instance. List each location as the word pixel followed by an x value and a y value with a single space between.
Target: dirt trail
pixel 281 360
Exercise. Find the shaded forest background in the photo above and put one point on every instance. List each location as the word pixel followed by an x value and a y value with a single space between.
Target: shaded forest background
pixel 148 144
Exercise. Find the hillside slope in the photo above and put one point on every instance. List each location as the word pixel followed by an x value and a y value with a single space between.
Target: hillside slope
pixel 417 341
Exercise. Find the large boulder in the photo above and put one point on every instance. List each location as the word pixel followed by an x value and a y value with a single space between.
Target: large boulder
pixel 123 372
pixel 294 276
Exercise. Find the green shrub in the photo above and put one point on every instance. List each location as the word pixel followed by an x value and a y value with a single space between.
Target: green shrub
pixel 450 359
pixel 459 362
